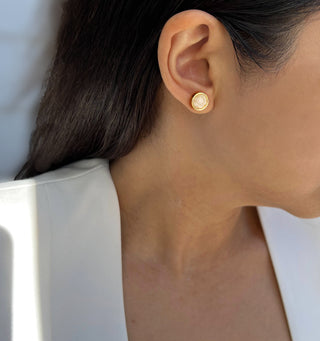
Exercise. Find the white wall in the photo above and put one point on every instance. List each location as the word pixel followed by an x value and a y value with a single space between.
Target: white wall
pixel 27 35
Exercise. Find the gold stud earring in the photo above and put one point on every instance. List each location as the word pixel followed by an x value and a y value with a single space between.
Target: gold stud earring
pixel 200 101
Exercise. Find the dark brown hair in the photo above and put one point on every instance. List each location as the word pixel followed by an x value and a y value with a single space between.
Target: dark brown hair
pixel 100 89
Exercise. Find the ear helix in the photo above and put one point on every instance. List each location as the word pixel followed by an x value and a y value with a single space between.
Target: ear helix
pixel 200 101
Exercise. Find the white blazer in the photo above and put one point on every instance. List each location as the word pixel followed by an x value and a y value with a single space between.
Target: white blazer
pixel 61 268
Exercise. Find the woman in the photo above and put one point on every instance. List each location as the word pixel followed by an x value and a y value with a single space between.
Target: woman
pixel 205 110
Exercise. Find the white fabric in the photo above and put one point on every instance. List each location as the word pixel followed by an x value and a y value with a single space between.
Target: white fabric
pixel 27 35
pixel 60 237
pixel 294 245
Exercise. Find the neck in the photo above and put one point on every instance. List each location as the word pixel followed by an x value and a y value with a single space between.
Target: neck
pixel 178 211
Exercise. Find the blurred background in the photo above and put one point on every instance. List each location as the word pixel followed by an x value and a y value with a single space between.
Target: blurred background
pixel 28 30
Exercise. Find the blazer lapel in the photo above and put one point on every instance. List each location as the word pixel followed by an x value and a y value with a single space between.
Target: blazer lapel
pixel 294 246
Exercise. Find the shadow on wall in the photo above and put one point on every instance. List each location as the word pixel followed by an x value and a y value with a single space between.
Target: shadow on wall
pixel 6 255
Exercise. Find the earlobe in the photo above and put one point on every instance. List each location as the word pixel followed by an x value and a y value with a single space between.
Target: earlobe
pixel 184 61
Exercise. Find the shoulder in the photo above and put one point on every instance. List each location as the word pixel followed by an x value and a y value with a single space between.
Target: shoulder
pixel 84 172
pixel 81 168
pixel 83 187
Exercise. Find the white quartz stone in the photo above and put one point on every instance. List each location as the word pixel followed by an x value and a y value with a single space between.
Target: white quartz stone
pixel 200 101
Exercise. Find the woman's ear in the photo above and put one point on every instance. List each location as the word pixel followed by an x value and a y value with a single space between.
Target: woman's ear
pixel 188 55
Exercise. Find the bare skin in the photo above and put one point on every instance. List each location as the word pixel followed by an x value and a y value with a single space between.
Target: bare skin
pixel 192 243
pixel 237 300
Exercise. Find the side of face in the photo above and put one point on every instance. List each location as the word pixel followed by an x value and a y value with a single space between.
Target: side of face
pixel 269 135
pixel 264 131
